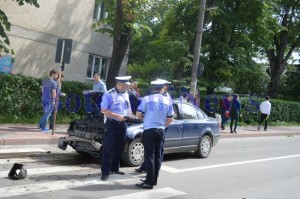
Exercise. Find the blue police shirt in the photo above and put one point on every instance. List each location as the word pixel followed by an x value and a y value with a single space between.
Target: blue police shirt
pixel 99 86
pixel 48 86
pixel 116 102
pixel 156 108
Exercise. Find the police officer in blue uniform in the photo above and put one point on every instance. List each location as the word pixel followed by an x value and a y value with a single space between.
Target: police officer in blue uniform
pixel 115 106
pixel 157 111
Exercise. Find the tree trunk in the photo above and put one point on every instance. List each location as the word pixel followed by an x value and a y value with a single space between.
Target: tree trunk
pixel 179 70
pixel 122 37
pixel 119 51
pixel 273 87
pixel 275 71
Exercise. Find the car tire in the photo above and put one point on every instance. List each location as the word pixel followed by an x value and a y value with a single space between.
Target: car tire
pixel 134 156
pixel 204 147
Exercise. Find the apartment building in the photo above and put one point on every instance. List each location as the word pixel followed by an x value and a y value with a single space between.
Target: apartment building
pixel 35 31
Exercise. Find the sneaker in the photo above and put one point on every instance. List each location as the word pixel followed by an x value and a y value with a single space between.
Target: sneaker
pixel 258 128
pixel 44 130
pixel 265 129
pixel 38 126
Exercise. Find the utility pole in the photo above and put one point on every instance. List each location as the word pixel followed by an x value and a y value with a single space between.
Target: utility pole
pixel 197 47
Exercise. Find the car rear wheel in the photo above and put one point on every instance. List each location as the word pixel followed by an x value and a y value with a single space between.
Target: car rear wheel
pixel 134 156
pixel 204 147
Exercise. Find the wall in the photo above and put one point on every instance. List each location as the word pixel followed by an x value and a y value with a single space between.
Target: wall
pixel 35 31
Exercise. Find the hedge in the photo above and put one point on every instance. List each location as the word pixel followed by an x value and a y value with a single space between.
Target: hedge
pixel 281 111
pixel 21 99
pixel 21 102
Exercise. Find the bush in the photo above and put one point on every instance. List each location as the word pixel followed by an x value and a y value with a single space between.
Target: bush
pixel 21 102
pixel 21 99
pixel 281 111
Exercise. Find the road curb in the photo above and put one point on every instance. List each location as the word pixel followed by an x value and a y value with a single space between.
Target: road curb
pixel 227 135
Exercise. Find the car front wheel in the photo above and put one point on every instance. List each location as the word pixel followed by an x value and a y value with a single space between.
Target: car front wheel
pixel 134 156
pixel 204 147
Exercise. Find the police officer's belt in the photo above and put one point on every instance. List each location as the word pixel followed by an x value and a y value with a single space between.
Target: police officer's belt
pixel 116 121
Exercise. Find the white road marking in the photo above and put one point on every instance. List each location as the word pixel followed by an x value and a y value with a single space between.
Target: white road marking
pixel 49 186
pixel 22 150
pixel 34 159
pixel 31 172
pixel 161 193
pixel 174 170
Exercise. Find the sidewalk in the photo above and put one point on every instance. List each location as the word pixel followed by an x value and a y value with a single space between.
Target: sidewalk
pixel 28 134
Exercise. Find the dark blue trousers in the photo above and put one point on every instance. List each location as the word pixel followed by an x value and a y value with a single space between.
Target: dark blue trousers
pixel 153 140
pixel 113 145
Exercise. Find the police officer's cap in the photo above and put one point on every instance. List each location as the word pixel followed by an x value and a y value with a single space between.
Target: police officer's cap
pixel 159 83
pixel 123 79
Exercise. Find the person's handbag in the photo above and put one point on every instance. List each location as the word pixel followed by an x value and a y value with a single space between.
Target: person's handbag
pixel 227 114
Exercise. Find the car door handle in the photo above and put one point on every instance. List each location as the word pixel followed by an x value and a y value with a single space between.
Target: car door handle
pixel 180 127
pixel 200 125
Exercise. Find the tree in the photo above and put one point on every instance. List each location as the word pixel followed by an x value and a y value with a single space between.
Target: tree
pixel 278 34
pixel 291 82
pixel 5 26
pixel 122 23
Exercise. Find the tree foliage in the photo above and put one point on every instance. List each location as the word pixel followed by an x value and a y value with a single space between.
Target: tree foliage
pixel 291 82
pixel 234 34
pixel 5 26
pixel 278 35
pixel 124 19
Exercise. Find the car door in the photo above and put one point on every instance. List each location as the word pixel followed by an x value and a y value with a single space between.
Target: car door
pixel 173 135
pixel 193 127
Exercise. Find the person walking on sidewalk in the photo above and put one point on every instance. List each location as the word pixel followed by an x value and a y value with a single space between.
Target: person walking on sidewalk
pixel 265 110
pixel 235 113
pixel 49 94
pixel 59 94
pixel 225 110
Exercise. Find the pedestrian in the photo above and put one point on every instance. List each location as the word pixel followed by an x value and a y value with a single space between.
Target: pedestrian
pixel 225 110
pixel 58 106
pixel 99 85
pixel 49 94
pixel 194 98
pixel 115 106
pixel 156 110
pixel 92 97
pixel 184 97
pixel 265 110
pixel 235 113
pixel 135 90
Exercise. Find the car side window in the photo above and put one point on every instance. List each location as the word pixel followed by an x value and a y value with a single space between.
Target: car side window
pixel 175 108
pixel 200 114
pixel 188 112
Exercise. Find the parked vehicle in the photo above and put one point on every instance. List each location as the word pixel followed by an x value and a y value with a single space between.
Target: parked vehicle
pixel 191 130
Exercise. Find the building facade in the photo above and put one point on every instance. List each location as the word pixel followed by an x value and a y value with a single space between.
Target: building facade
pixel 35 31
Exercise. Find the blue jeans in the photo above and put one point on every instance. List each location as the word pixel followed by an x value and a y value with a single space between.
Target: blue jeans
pixel 224 119
pixel 48 108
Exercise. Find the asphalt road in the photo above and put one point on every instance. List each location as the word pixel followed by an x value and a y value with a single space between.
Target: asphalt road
pixel 238 168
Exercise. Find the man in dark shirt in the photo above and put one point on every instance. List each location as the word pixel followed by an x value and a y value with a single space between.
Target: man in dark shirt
pixel 49 94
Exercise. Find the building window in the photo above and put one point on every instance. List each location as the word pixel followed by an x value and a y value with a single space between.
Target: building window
pixel 99 11
pixel 97 65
